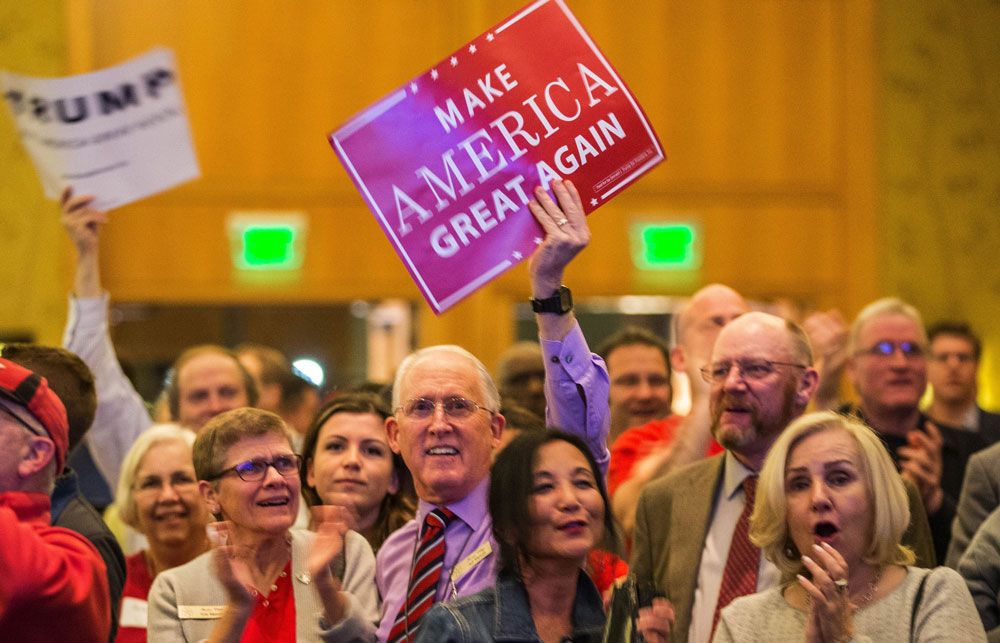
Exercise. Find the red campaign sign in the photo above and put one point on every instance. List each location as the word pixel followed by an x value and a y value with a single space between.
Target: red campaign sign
pixel 448 162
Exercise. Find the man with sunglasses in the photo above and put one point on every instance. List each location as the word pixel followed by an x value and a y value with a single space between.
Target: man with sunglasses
pixel 888 368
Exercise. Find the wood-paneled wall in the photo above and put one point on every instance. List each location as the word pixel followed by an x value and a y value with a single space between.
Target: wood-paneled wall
pixel 33 252
pixel 765 109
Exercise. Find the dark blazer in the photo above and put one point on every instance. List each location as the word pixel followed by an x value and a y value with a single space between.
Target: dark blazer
pixel 672 522
pixel 72 511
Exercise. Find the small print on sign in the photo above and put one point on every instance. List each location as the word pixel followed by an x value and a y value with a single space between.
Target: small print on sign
pixel 120 133
pixel 448 162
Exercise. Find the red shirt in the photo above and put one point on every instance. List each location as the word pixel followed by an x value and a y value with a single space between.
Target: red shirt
pixel 604 568
pixel 131 627
pixel 273 616
pixel 636 443
pixel 53 583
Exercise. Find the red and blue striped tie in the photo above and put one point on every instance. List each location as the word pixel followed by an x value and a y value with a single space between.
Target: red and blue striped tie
pixel 425 575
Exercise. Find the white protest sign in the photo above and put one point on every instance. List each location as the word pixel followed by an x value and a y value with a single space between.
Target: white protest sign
pixel 120 133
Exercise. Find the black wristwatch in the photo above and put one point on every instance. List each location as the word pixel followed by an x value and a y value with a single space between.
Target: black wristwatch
pixel 560 303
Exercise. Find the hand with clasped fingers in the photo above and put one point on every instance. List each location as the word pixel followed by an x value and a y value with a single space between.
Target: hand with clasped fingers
pixel 831 613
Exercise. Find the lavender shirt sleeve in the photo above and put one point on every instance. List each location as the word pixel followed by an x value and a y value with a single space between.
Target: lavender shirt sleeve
pixel 576 392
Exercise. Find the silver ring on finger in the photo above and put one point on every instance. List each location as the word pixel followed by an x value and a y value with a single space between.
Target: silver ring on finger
pixel 841 585
pixel 562 222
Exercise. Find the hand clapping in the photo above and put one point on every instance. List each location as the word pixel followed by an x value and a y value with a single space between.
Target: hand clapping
pixel 831 614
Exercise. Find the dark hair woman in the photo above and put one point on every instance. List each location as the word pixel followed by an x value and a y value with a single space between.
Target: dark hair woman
pixel 549 508
pixel 347 461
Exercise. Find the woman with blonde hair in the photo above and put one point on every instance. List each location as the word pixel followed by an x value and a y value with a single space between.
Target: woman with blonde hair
pixel 158 497
pixel 830 513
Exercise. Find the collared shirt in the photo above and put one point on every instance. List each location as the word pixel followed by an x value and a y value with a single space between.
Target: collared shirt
pixel 470 531
pixel 576 391
pixel 273 617
pixel 729 503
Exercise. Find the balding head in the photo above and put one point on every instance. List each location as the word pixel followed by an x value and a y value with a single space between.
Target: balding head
pixel 698 324
pixel 762 378
pixel 448 452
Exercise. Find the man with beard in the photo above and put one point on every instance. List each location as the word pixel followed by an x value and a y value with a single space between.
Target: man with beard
pixel 691 526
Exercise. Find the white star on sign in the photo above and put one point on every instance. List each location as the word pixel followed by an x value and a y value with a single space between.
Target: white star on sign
pixel 517 255
pixel 593 202
pixel 414 88
pixel 454 61
pixel 434 74
pixel 538 241
pixel 489 37
pixel 472 49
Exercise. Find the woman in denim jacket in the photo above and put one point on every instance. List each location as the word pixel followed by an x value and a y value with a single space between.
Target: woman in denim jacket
pixel 549 508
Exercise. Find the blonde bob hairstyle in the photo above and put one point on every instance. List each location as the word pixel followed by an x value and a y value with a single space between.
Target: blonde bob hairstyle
pixel 156 434
pixel 887 499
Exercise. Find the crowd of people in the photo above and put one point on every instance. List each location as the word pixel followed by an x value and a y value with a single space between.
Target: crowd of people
pixel 452 505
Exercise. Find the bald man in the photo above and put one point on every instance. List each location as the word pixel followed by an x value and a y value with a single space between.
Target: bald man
pixel 645 453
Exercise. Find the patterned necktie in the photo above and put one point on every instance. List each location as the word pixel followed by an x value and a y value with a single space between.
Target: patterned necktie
pixel 425 575
pixel 739 578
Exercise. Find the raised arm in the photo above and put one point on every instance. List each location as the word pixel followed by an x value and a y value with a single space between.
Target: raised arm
pixel 121 413
pixel 576 381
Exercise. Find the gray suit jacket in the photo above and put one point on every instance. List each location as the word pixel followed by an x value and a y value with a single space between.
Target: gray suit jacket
pixel 195 585
pixel 672 522
pixel 980 566
pixel 980 496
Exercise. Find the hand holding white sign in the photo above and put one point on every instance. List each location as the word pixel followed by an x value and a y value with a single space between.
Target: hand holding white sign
pixel 119 132
pixel 83 225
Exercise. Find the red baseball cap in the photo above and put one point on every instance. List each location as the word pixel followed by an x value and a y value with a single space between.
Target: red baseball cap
pixel 29 399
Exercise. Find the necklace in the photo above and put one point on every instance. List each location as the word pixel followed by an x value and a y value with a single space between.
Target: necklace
pixel 872 586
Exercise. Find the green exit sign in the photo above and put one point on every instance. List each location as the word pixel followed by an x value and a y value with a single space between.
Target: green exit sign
pixel 269 247
pixel 666 246
pixel 267 242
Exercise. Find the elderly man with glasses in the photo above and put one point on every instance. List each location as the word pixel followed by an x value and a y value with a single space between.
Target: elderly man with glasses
pixel 888 368
pixel 446 424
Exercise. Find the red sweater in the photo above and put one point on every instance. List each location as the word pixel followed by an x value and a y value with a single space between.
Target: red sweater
pixel 636 443
pixel 53 583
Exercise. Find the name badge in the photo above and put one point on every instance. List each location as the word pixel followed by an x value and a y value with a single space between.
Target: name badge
pixel 133 612
pixel 466 564
pixel 200 612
